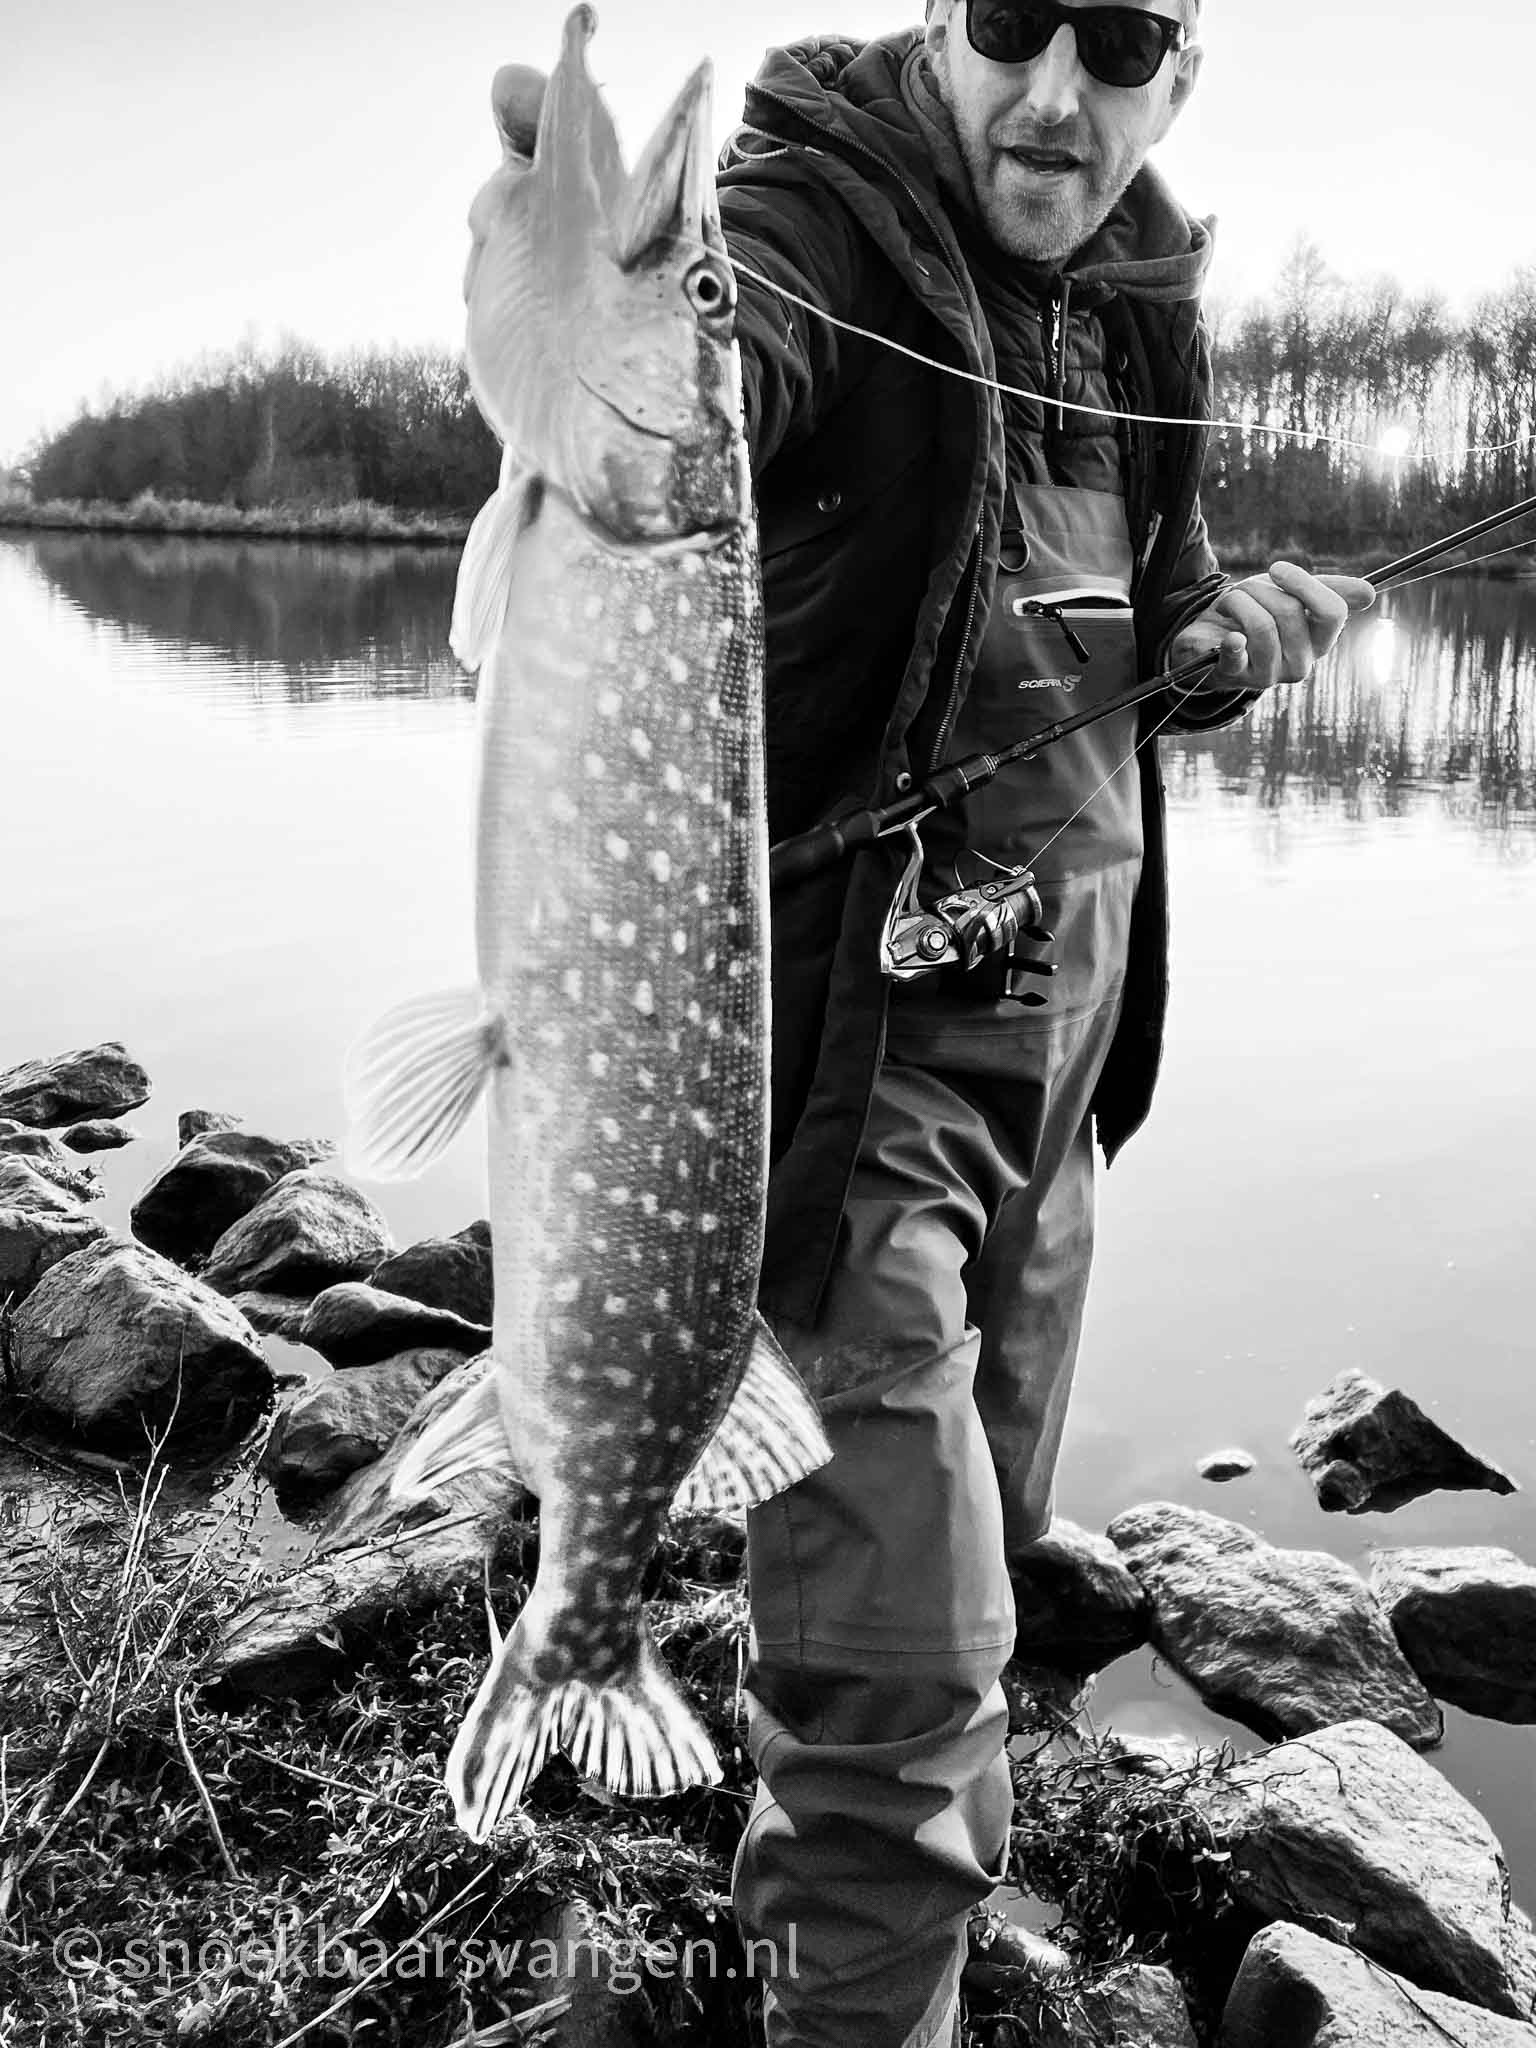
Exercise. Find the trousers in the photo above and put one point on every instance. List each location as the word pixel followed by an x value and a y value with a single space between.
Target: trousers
pixel 881 1597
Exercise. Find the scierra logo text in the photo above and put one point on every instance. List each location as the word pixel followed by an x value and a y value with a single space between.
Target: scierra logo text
pixel 1067 683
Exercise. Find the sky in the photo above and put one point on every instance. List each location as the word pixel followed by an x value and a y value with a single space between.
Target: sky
pixel 179 175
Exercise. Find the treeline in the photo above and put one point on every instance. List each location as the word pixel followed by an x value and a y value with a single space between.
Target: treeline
pixel 294 428
pixel 1442 411
pixel 1332 362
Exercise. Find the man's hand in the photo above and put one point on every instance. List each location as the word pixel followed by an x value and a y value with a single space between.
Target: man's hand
pixel 1272 628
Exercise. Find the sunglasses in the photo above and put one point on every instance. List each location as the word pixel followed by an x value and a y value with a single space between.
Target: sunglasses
pixel 1117 45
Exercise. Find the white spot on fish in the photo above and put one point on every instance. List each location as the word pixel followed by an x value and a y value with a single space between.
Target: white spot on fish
pixel 661 1299
pixel 627 934
pixel 571 985
pixel 619 1197
pixel 645 1079
pixel 598 1064
pixel 701 895
pixel 694 1014
pixel 644 998
pixel 566 1291
pixel 679 943
pixel 610 1130
pixel 713 708
pixel 615 847
pixel 702 1122
pixel 735 969
pixel 561 807
pixel 709 1224
pixel 595 766
pixel 640 744
pixel 609 704
pixel 682 824
pixel 645 619
pixel 620 1376
pixel 550 1035
pixel 677 669
pixel 599 926
pixel 648 1205
pixel 672 778
pixel 675 1219
pixel 692 566
pixel 685 721
pixel 583 1183
pixel 684 608
pixel 615 1305
pixel 660 865
pixel 598 1244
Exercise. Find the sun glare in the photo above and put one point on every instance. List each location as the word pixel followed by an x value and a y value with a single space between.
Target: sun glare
pixel 1395 443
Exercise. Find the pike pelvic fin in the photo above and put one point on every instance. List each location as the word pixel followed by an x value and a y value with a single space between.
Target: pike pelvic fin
pixel 469 1436
pixel 412 1080
pixel 770 1436
pixel 637 1733
pixel 485 568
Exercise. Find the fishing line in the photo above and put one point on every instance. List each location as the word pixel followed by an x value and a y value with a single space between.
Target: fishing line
pixel 1099 412
pixel 1118 769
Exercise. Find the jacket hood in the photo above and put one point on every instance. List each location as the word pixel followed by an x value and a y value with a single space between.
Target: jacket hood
pixel 880 95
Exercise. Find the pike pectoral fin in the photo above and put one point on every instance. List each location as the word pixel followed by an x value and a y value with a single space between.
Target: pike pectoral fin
pixel 770 1436
pixel 469 1436
pixel 412 1080
pixel 636 1733
pixel 485 567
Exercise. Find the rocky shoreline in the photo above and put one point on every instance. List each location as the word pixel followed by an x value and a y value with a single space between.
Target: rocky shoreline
pixel 1329 1887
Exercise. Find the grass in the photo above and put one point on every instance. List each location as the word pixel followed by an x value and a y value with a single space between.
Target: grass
pixel 359 520
pixel 178 1865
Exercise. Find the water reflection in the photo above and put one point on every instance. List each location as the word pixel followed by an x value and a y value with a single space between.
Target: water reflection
pixel 1434 691
pixel 319 618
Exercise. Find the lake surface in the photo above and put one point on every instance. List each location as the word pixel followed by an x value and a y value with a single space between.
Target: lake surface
pixel 235 826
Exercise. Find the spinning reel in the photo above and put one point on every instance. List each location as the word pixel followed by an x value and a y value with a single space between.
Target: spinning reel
pixel 965 929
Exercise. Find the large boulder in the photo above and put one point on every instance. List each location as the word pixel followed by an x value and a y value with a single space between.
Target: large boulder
pixel 1281 1640
pixel 100 1082
pixel 32 1240
pixel 1466 1621
pixel 1078 1606
pixel 97 1134
pixel 47 1155
pixel 1296 1990
pixel 1349 1827
pixel 355 1324
pixel 307 1232
pixel 454 1273
pixel 35 1184
pixel 1368 1450
pixel 195 1123
pixel 116 1342
pixel 211 1183
pixel 338 1425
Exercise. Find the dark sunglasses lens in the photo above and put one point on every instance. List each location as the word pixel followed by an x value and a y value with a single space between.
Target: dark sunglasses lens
pixel 1009 31
pixel 1119 45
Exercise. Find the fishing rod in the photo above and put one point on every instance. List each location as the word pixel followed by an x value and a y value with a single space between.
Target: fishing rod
pixel 810 853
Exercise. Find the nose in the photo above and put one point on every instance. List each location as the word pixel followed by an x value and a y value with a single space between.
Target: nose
pixel 1055 80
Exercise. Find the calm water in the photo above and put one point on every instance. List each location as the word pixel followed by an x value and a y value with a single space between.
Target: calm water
pixel 234 826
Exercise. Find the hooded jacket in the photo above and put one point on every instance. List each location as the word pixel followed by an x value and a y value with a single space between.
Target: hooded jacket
pixel 880 490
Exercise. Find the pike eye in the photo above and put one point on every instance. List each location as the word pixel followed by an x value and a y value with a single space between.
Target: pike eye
pixel 711 290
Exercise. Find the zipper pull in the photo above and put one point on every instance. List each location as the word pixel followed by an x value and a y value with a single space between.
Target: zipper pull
pixel 1032 607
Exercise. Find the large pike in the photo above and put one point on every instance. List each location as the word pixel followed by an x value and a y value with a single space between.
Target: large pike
pixel 609 596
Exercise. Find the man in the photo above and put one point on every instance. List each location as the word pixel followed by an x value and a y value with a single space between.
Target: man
pixel 946 568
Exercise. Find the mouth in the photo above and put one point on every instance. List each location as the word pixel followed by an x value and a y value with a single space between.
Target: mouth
pixel 1046 163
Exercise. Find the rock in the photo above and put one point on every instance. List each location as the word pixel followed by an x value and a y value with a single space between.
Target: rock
pixel 110 1333
pixel 1296 1990
pixel 100 1082
pixel 196 1123
pixel 1350 1827
pixel 33 1240
pixel 274 1315
pixel 1005 1959
pixel 211 1183
pixel 363 1509
pixel 35 1157
pixel 1466 1621
pixel 307 1232
pixel 1222 1466
pixel 444 1272
pixel 1134 2006
pixel 355 1324
pixel 1369 1451
pixel 98 1136
pixel 301 1632
pixel 1281 1640
pixel 23 1187
pixel 1078 1606
pixel 339 1425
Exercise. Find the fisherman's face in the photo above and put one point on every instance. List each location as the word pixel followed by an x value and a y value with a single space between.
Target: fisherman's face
pixel 1049 147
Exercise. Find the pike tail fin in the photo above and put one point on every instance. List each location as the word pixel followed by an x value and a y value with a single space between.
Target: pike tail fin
pixel 412 1080
pixel 636 1733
